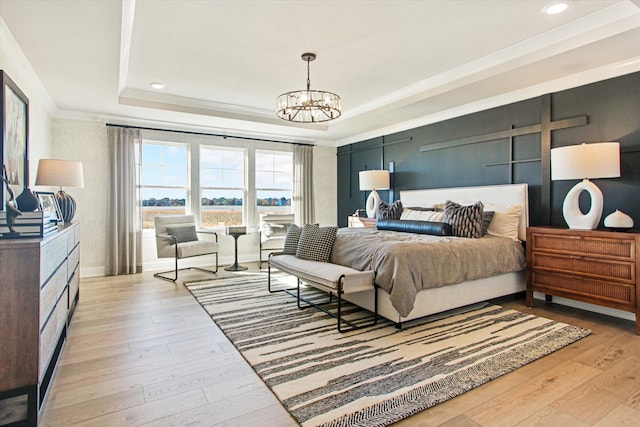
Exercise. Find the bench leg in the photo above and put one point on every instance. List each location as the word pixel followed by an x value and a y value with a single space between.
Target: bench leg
pixel 287 290
pixel 352 326
pixel 338 317
pixel 309 303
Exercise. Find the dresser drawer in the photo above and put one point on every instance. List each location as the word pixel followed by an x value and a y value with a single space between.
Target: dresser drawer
pixel 585 289
pixel 585 245
pixel 53 254
pixel 51 332
pixel 51 292
pixel 74 238
pixel 578 265
pixel 73 260
pixel 74 285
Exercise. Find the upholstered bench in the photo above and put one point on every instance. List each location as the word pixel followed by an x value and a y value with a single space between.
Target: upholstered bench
pixel 331 278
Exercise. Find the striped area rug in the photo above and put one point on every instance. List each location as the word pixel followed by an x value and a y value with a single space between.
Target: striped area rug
pixel 375 376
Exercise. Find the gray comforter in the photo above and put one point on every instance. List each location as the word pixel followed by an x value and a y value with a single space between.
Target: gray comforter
pixel 407 263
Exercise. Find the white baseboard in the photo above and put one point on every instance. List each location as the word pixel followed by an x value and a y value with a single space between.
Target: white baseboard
pixel 92 271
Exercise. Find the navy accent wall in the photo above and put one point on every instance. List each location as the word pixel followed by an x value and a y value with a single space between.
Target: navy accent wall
pixel 448 154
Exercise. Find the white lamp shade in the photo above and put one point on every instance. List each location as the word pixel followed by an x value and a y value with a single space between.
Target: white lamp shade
pixel 60 173
pixel 374 180
pixel 598 160
pixel 584 161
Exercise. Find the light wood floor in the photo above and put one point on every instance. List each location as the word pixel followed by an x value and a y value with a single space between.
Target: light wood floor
pixel 142 351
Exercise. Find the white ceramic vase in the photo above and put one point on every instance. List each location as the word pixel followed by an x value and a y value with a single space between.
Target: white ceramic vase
pixel 618 220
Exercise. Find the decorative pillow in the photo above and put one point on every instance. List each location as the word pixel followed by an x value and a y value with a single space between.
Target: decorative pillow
pixel 418 227
pixel 316 242
pixel 389 211
pixel 466 221
pixel 411 214
pixel 506 221
pixel 487 216
pixel 183 233
pixel 291 239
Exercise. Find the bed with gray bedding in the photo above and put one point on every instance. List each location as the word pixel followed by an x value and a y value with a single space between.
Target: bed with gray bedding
pixel 407 263
pixel 423 274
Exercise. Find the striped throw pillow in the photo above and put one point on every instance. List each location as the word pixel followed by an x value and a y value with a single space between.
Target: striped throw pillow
pixel 389 211
pixel 465 221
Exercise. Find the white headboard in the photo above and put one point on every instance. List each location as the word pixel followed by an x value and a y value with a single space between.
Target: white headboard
pixel 509 194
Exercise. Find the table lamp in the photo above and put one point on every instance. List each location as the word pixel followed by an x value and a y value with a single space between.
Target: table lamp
pixel 585 161
pixel 61 173
pixel 373 180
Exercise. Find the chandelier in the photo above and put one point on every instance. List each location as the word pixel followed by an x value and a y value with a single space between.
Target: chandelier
pixel 308 106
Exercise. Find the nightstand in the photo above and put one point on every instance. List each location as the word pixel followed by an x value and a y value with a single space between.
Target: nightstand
pixel 359 222
pixel 593 266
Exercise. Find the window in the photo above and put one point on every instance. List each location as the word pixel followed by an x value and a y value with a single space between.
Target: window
pixel 179 178
pixel 164 180
pixel 222 186
pixel 274 178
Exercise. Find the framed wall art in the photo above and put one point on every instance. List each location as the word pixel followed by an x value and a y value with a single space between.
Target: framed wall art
pixel 14 129
pixel 49 205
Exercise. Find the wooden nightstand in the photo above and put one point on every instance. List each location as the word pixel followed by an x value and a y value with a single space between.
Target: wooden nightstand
pixel 593 266
pixel 358 222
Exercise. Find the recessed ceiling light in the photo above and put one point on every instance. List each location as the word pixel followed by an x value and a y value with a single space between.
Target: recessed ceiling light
pixel 157 85
pixel 556 7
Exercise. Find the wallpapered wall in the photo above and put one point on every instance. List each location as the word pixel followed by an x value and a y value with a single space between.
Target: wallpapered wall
pixel 86 142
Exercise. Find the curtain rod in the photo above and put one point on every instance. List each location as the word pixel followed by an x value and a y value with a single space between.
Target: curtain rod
pixel 208 134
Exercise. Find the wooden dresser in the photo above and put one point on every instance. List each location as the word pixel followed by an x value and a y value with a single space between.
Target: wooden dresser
pixel 39 289
pixel 593 266
pixel 356 221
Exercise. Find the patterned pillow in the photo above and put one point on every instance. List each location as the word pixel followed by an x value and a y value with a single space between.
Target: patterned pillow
pixel 291 239
pixel 465 221
pixel 487 217
pixel 316 242
pixel 389 211
pixel 184 233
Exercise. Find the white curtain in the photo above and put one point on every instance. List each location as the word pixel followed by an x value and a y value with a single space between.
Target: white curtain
pixel 124 223
pixel 302 198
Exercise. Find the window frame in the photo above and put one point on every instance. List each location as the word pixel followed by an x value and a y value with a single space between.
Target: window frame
pixel 195 144
pixel 140 165
pixel 288 190
pixel 199 187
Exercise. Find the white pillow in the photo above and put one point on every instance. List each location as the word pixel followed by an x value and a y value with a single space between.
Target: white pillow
pixel 415 215
pixel 506 220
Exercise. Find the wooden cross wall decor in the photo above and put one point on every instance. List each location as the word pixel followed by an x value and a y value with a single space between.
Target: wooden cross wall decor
pixel 544 128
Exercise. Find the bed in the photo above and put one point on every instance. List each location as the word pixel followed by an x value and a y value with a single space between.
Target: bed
pixel 380 250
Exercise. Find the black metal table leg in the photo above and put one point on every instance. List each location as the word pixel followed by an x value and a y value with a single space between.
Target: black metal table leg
pixel 235 266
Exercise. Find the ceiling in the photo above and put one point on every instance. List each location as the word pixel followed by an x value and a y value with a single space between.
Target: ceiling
pixel 396 64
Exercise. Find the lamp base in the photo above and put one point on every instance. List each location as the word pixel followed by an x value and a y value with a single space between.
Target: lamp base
pixel 372 204
pixel 67 205
pixel 574 217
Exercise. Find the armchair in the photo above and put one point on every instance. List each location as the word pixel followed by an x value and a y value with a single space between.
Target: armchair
pixel 176 237
pixel 273 230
